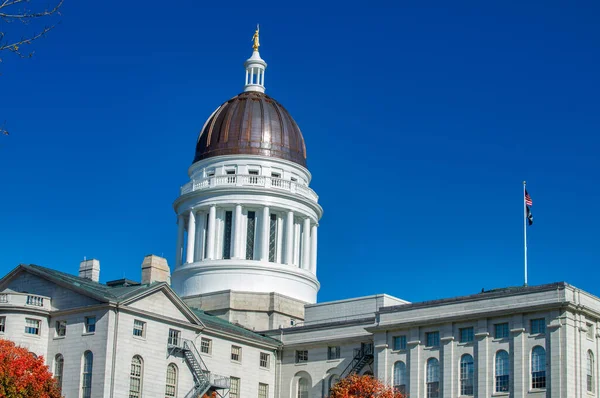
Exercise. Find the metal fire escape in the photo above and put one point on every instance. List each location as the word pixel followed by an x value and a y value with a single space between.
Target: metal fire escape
pixel 205 382
pixel 362 356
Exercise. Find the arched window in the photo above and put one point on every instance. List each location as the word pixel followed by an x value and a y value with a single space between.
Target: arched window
pixel 433 378
pixel 400 377
pixel 590 371
pixel 502 371
pixel 86 380
pixel 467 375
pixel 333 379
pixel 59 364
pixel 303 388
pixel 171 385
pixel 135 377
pixel 538 367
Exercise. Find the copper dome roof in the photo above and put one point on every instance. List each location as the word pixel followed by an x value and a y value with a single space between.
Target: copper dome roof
pixel 251 123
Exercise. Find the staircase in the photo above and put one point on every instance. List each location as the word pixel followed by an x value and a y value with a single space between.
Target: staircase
pixel 362 357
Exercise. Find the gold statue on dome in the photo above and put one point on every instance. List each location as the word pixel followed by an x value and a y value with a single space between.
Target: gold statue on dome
pixel 255 38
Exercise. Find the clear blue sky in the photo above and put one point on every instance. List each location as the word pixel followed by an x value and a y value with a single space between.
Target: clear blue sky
pixel 420 123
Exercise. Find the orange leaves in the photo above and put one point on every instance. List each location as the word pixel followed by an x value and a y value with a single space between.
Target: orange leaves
pixel 355 386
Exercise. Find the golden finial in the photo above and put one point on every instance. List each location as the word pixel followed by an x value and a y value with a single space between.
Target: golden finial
pixel 255 38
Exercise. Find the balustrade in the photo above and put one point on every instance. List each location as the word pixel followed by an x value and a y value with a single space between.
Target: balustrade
pixel 25 300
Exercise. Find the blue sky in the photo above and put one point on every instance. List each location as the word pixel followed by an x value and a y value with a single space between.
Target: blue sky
pixel 421 123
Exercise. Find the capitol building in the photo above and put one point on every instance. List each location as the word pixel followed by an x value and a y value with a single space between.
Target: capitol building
pixel 237 314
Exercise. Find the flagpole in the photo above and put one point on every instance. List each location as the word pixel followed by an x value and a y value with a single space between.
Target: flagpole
pixel 525 230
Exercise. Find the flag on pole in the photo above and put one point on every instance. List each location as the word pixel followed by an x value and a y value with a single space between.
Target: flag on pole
pixel 529 216
pixel 528 201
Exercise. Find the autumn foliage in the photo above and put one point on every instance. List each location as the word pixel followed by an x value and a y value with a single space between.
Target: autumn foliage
pixel 22 375
pixel 355 386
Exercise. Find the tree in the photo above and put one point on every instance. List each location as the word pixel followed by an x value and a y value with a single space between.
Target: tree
pixel 23 375
pixel 355 386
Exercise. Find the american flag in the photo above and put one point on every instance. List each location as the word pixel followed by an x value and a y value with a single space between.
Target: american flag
pixel 528 201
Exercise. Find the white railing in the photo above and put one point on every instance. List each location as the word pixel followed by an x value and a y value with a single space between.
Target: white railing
pixel 248 180
pixel 25 300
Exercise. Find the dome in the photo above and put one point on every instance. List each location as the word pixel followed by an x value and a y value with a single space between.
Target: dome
pixel 251 123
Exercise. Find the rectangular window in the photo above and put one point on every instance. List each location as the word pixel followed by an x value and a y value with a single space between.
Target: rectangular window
pixel 590 331
pixel 276 179
pixel 301 356
pixel 236 353
pixel 227 235
pixel 501 330
pixel 333 352
pixel 139 328
pixel 230 176
pixel 2 324
pixel 466 335
pixel 32 326
pixel 250 235
pixel 399 343
pixel 432 339
pixel 61 328
pixel 174 337
pixel 90 324
pixel 263 390
pixel 206 346
pixel 253 177
pixel 272 237
pixel 234 387
pixel 538 326
pixel 265 360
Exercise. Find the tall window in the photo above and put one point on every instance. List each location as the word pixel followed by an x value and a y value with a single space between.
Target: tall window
pixel 502 371
pixel 250 229
pixel 236 353
pixel 333 381
pixel 230 176
pixel 400 377
pixel 61 328
pixel 32 326
pixel 303 388
pixel 590 331
pixel 205 346
pixel 234 387
pixel 467 375
pixel 227 235
pixel 265 360
pixel 333 352
pixel 2 324
pixel 90 324
pixel 590 371
pixel 501 330
pixel 253 179
pixel 272 237
pixel 86 383
pixel 399 342
pixel 538 326
pixel 432 339
pixel 135 377
pixel 466 335
pixel 139 328
pixel 171 385
pixel 301 356
pixel 59 364
pixel 433 378
pixel 538 367
pixel 174 337
pixel 263 390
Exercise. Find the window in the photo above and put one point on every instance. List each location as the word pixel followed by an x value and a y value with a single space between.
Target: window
pixel 466 335
pixel 253 179
pixel 206 346
pixel 59 364
pixel 236 353
pixel 333 352
pixel 139 328
pixel 590 331
pixel 276 179
pixel 538 367
pixel 234 387
pixel 263 390
pixel 502 371
pixel 174 337
pixel 135 377
pixel 230 176
pixel 590 371
pixel 90 324
pixel 2 324
pixel 400 377
pixel 538 326
pixel 432 339
pixel 32 326
pixel 501 330
pixel 467 375
pixel 301 356
pixel 86 383
pixel 210 173
pixel 250 229
pixel 399 342
pixel 303 388
pixel 265 360
pixel 333 381
pixel 227 235
pixel 171 384
pixel 61 328
pixel 272 237
pixel 433 378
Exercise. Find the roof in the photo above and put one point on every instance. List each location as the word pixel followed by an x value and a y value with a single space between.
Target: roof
pixel 213 322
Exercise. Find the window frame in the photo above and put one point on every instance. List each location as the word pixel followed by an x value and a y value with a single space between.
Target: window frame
pixel 502 380
pixel 590 331
pixel 59 367
pixel 590 372
pixel 142 330
pixel 174 380
pixel 540 326
pixel 303 387
pixel 2 324
pixel 466 335
pixel 60 328
pixel 29 327
pixel 263 390
pixel 538 377
pixel 401 340
pixel 234 354
pixel 301 356
pixel 174 337
pixel 136 377
pixel 86 374
pixel 432 387
pixel 399 377
pixel 505 327
pixel 467 375
pixel 264 358
pixel 237 382
pixel 89 327
pixel 208 345
pixel 333 352
pixel 435 336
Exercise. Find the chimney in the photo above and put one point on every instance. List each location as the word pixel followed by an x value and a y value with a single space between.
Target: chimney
pixel 155 269
pixel 90 269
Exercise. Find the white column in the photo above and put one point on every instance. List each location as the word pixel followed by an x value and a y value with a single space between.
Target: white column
pixel 236 239
pixel 210 239
pixel 306 244
pixel 200 236
pixel 189 258
pixel 263 77
pixel 264 235
pixel 180 231
pixel 313 249
pixel 246 76
pixel 289 238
